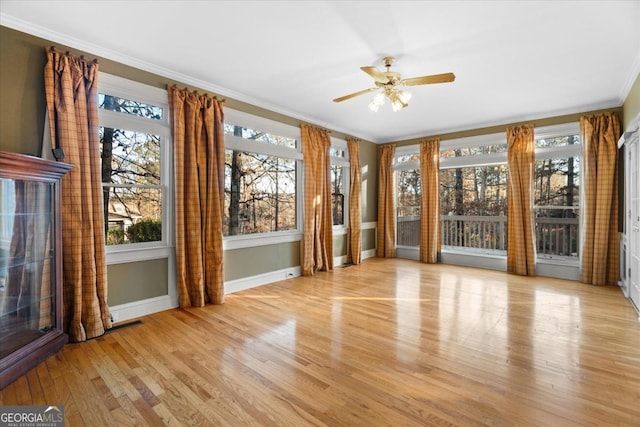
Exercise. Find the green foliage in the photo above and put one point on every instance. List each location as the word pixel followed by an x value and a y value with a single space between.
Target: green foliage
pixel 146 230
pixel 115 237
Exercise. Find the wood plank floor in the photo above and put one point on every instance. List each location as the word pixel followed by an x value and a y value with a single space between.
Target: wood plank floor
pixel 387 343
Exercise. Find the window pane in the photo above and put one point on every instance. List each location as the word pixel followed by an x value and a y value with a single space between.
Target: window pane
pixel 129 157
pixel 462 152
pixel 558 141
pixel 473 206
pixel 474 191
pixel 408 215
pixel 134 214
pixel 131 161
pixel 260 193
pixel 127 106
pixel 246 133
pixel 408 158
pixel 557 233
pixel 337 194
pixel 336 152
pixel 557 201
pixel 557 182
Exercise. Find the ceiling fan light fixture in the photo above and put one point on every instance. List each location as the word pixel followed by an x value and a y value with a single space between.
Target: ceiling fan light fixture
pixel 379 99
pixel 374 107
pixel 388 82
pixel 399 99
pixel 397 105
pixel 404 96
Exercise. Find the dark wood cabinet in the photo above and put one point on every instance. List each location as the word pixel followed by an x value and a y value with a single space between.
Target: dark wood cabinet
pixel 30 263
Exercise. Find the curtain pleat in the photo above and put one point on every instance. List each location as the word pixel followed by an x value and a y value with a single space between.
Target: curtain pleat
pixel 430 200
pixel 317 240
pixel 354 239
pixel 386 236
pixel 520 244
pixel 600 252
pixel 72 105
pixel 197 128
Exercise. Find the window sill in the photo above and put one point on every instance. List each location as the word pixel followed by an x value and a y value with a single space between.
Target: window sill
pixel 240 242
pixel 138 254
pixel 339 230
pixel 558 260
pixel 487 253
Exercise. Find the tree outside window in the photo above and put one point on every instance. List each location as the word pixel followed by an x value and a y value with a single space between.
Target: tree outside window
pixel 131 177
pixel 260 189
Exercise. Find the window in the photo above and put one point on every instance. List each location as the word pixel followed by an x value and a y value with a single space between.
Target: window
pixel 473 194
pixel 557 193
pixel 262 164
pixel 340 177
pixel 136 161
pixel 408 191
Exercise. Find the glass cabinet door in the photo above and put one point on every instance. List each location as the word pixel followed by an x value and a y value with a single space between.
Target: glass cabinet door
pixel 27 265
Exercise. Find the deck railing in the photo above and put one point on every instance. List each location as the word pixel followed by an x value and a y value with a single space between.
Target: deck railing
pixel 554 236
pixel 479 232
pixel 558 236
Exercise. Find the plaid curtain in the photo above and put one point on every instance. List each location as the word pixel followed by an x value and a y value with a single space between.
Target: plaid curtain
pixel 430 200
pixel 197 129
pixel 72 105
pixel 354 238
pixel 386 237
pixel 520 247
pixel 600 134
pixel 317 240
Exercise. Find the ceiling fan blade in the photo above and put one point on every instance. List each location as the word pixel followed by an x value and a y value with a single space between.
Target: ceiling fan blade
pixel 377 75
pixel 425 80
pixel 353 95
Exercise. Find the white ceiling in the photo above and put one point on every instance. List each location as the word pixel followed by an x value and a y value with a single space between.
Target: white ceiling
pixel 513 61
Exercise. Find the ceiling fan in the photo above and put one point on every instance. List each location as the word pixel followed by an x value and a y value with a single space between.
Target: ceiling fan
pixel 388 81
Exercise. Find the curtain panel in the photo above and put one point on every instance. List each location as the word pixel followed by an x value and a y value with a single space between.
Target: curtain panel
pixel 600 251
pixel 72 106
pixel 354 236
pixel 197 129
pixel 386 236
pixel 317 239
pixel 520 245
pixel 430 201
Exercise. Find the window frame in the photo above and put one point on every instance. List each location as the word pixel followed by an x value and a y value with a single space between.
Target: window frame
pixel 560 151
pixel 344 161
pixel 500 158
pixel 231 142
pixel 136 91
pixel 398 165
pixel 477 160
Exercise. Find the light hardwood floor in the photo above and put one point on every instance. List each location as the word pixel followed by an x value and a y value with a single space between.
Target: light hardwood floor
pixel 387 343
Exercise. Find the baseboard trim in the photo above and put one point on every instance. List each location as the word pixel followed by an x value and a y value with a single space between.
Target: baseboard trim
pixel 261 279
pixel 339 260
pixel 132 310
pixel 371 253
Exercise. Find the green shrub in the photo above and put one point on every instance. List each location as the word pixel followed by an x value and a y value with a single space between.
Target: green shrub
pixel 146 230
pixel 115 237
